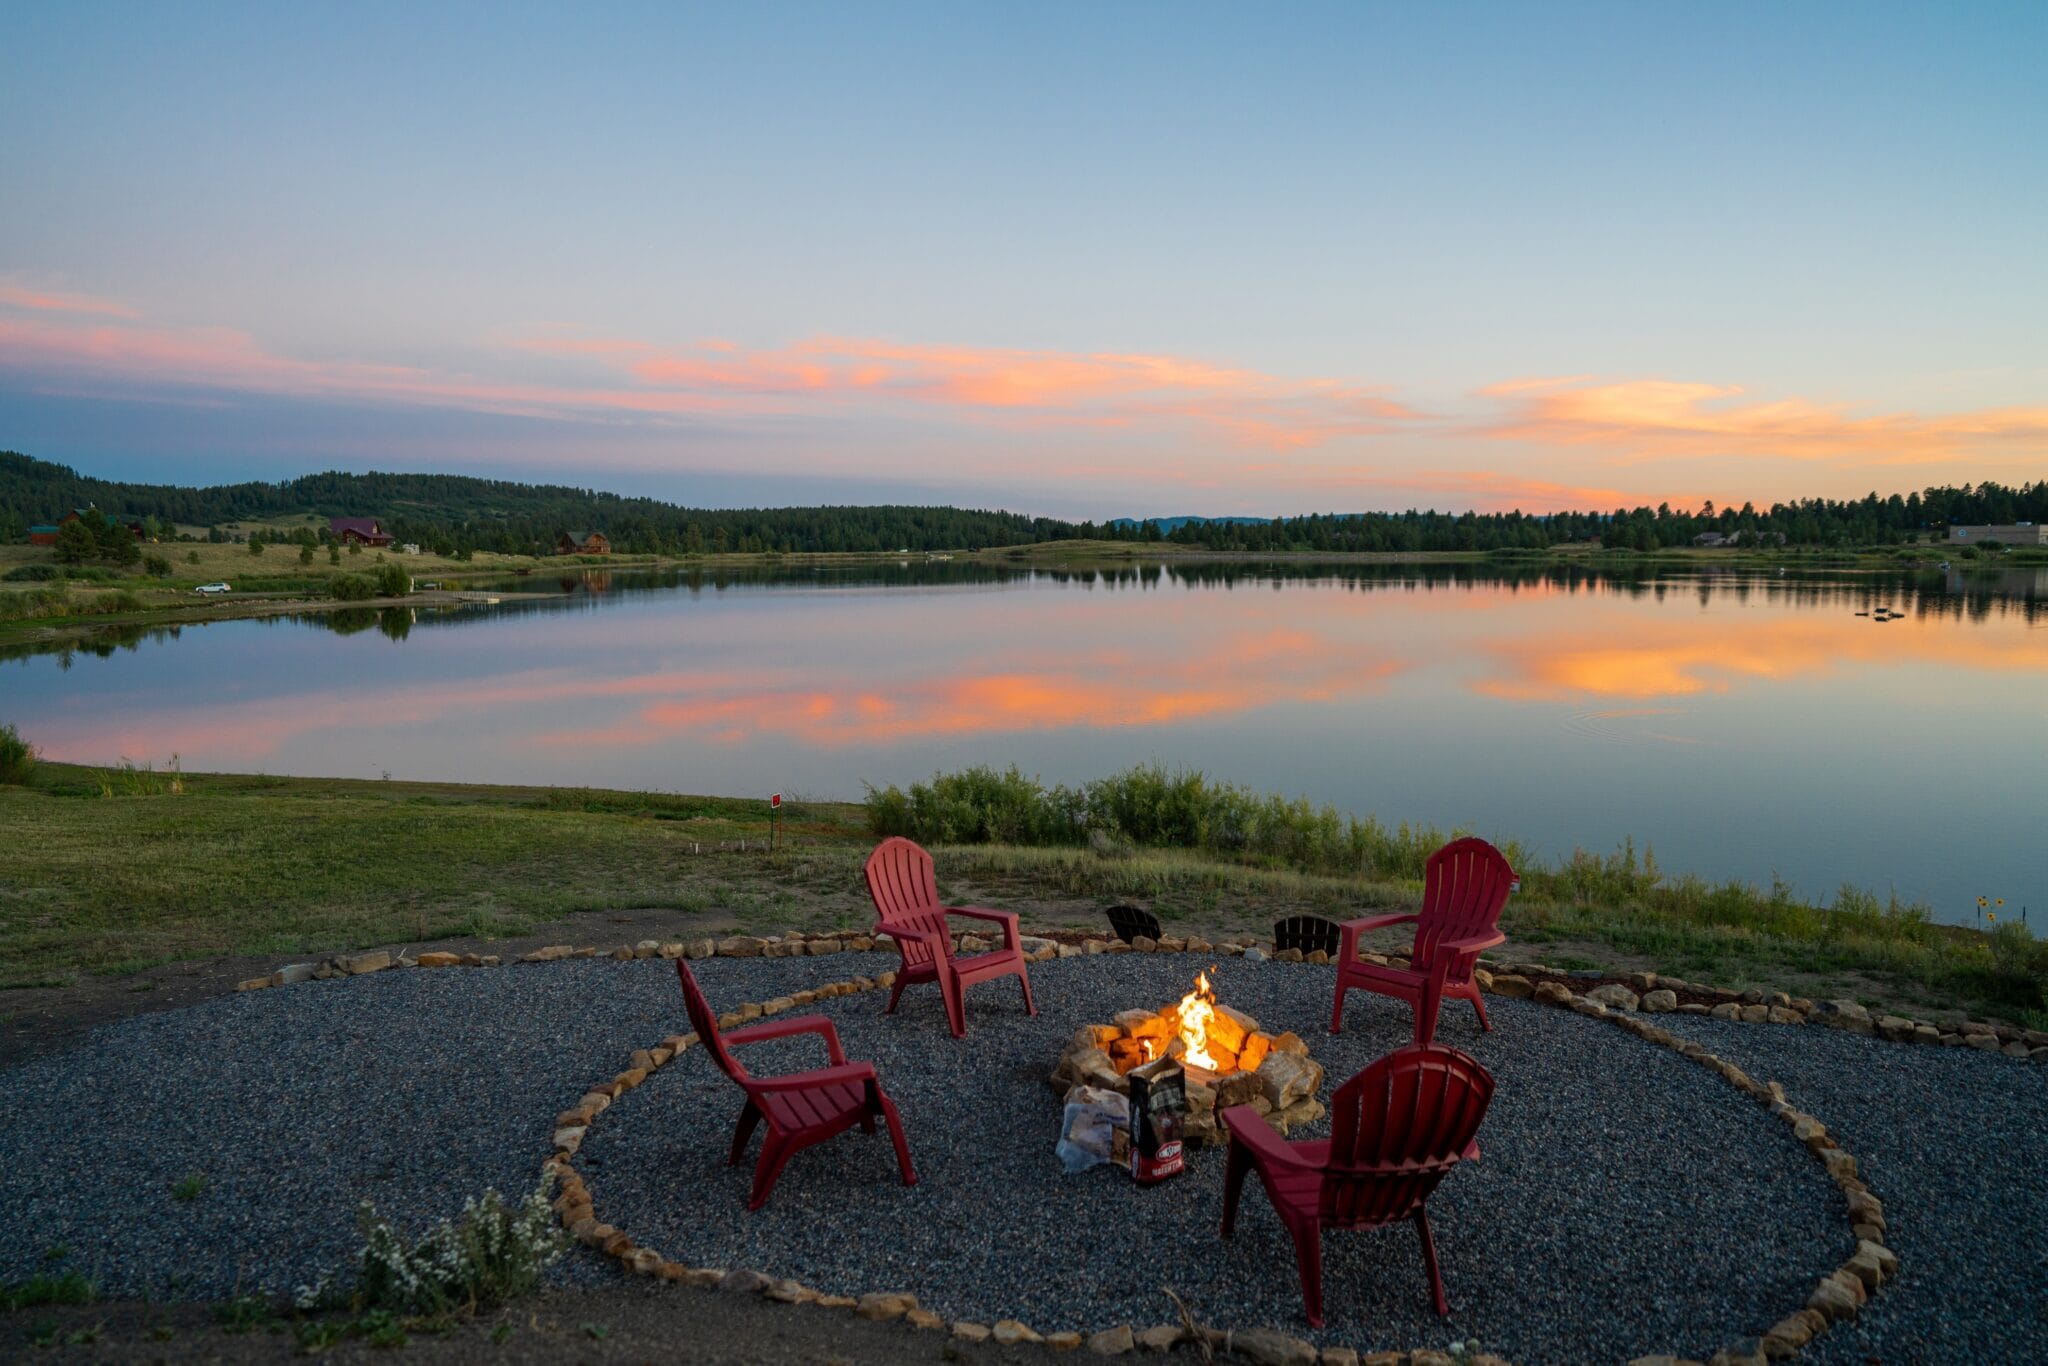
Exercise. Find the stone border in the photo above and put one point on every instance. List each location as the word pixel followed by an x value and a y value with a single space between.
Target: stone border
pixel 1837 1297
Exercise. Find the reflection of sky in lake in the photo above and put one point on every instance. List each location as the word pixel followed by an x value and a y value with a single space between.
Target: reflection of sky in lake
pixel 1740 726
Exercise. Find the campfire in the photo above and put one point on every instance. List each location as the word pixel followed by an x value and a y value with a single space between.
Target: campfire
pixel 1228 1059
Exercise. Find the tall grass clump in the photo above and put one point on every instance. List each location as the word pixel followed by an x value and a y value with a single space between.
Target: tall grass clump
pixel 1150 807
pixel 17 756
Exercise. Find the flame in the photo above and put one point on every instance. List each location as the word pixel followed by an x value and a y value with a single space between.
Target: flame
pixel 1197 1008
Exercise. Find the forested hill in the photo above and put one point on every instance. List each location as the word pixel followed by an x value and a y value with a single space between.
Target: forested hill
pixel 450 513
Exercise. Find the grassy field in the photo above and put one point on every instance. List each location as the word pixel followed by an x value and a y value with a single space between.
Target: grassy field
pixel 112 871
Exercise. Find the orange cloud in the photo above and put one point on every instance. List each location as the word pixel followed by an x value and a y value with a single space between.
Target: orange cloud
pixel 1672 418
pixel 52 301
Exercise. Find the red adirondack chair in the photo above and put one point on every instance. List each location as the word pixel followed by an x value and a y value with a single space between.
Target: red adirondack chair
pixel 801 1108
pixel 906 894
pixel 1464 887
pixel 1396 1130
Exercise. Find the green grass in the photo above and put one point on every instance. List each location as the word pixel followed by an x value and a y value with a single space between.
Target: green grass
pixel 112 873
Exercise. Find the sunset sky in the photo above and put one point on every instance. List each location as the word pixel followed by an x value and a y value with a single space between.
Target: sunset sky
pixel 1087 260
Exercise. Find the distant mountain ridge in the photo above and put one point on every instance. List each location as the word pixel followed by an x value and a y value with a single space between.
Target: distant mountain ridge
pixel 1169 525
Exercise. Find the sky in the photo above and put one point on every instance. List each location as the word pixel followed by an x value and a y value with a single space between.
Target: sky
pixel 1079 260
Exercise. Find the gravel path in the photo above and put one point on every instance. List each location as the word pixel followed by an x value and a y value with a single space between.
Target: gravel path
pixel 1628 1201
pixel 1955 1142
pixel 1606 1219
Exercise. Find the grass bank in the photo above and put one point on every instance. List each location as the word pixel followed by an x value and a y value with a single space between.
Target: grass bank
pixel 112 871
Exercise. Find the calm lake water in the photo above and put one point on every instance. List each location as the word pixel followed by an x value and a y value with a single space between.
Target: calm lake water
pixel 1744 726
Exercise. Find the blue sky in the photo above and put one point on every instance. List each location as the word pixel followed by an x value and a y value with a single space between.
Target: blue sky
pixel 1065 259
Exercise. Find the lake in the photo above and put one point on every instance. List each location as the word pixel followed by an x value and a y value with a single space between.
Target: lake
pixel 1742 725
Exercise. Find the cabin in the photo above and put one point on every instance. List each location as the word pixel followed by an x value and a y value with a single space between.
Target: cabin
pixel 582 543
pixel 359 531
pixel 1712 540
pixel 36 534
pixel 2019 533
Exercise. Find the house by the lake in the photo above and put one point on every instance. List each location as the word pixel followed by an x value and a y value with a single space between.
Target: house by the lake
pixel 42 535
pixel 1712 540
pixel 2019 533
pixel 47 534
pixel 582 543
pixel 359 530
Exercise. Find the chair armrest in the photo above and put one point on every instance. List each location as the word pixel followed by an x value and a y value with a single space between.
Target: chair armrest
pixel 797 1024
pixel 1477 943
pixel 1348 932
pixel 1249 1127
pixel 931 939
pixel 809 1081
pixel 1007 919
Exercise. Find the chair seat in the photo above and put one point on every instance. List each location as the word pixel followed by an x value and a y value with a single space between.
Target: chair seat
pixel 813 1106
pixel 1398 979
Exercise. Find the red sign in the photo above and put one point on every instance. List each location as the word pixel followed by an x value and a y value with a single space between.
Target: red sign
pixel 775 802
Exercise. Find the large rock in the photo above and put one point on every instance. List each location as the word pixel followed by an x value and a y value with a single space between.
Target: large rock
pixel 741 946
pixel 1288 1077
pixel 1843 1014
pixel 1615 996
pixel 1553 993
pixel 1660 1001
pixel 356 964
pixel 1265 1347
pixel 1113 1342
pixel 1514 985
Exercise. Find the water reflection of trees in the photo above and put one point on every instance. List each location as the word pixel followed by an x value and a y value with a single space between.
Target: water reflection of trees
pixel 1973 594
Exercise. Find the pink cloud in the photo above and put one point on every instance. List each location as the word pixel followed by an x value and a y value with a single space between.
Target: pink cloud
pixel 1654 418
pixel 54 301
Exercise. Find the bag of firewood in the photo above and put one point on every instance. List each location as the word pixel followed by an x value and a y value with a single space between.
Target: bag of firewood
pixel 1159 1112
pixel 1094 1120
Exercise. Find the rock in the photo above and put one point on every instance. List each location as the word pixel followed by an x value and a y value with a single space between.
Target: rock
pixel 1285 1078
pixel 1291 1042
pixel 357 964
pixel 1307 1110
pixel 1586 1006
pixel 742 946
pixel 1786 1015
pixel 1063 1342
pixel 1513 985
pixel 883 1307
pixel 622 954
pixel 1144 943
pixel 1113 1342
pixel 1034 945
pixel 1265 1347
pixel 1843 1014
pixel 1339 1356
pixel 925 1319
pixel 1755 1013
pixel 548 954
pixel 1615 996
pixel 1287 956
pixel 1983 1043
pixel 1255 955
pixel 1160 1338
pixel 439 959
pixel 1553 993
pixel 1790 1334
pixel 2015 1049
pixel 1833 1301
pixel 1750 1353
pixel 970 1332
pixel 1642 981
pixel 742 1282
pixel 647 948
pixel 1897 1028
pixel 1011 1333
pixel 1727 1010
pixel 253 984
pixel 1660 1001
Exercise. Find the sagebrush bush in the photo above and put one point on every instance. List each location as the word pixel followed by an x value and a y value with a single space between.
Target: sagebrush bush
pixel 351 588
pixel 492 1253
pixel 17 756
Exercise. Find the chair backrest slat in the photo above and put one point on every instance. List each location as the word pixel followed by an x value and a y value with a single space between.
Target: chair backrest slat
pixel 704 1020
pixel 1395 1129
pixel 905 887
pixel 1465 885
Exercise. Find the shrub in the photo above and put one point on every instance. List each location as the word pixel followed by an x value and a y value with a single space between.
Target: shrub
pixel 17 756
pixel 305 554
pixel 33 573
pixel 352 588
pixel 393 582
pixel 157 566
pixel 334 554
pixel 493 1253
pixel 35 603
pixel 191 557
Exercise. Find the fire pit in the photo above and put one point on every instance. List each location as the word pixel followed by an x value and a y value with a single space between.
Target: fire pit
pixel 1228 1059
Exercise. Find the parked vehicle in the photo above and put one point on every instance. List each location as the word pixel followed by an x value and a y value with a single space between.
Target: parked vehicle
pixel 212 588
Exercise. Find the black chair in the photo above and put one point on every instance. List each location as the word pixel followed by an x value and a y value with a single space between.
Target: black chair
pixel 1307 933
pixel 1131 921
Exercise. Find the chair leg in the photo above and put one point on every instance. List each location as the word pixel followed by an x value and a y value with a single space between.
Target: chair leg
pixel 1436 1280
pixel 895 1123
pixel 1308 1259
pixel 1236 1166
pixel 1337 1007
pixel 775 1152
pixel 1024 980
pixel 895 994
pixel 750 1115
pixel 1479 1004
pixel 956 1005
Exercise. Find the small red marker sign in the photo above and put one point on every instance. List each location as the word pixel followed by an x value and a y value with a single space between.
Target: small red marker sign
pixel 775 802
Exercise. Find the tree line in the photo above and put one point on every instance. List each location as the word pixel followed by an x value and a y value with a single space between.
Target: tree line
pixel 458 514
